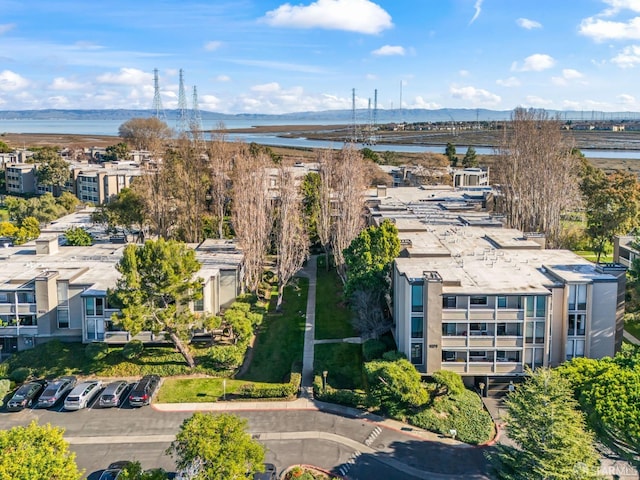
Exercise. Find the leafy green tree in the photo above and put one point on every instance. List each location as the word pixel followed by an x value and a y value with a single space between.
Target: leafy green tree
pixel 29 230
pixel 8 230
pixel 311 204
pixel 450 152
pixel 119 151
pixel 68 201
pixel 369 258
pixel 369 154
pixel 77 236
pixel 134 471
pixel 36 452
pixel 389 157
pixel 549 431
pixel 156 285
pixel 212 447
pixel 612 204
pixel 4 148
pixel 126 212
pixel 394 387
pixel 44 154
pixel 470 158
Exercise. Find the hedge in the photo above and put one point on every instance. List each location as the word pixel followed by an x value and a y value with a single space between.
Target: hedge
pixel 275 390
pixel 349 398
pixel 373 349
pixel 5 387
pixel 132 349
pixel 20 374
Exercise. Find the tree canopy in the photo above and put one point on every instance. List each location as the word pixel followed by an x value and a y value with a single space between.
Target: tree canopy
pixel 119 151
pixel 77 236
pixel 549 431
pixel 126 212
pixel 612 204
pixel 53 172
pixel 213 447
pixel 470 158
pixel 157 283
pixel 145 133
pixel 36 452
pixel 450 152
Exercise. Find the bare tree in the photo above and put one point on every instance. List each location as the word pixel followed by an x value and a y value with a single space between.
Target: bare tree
pixel 537 174
pixel 145 133
pixel 349 185
pixel 369 319
pixel 292 242
pixel 251 213
pixel 324 220
pixel 152 187
pixel 220 153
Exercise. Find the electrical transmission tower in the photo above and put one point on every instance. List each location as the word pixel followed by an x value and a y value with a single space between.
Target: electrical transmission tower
pixel 196 119
pixel 183 115
pixel 157 100
pixel 354 125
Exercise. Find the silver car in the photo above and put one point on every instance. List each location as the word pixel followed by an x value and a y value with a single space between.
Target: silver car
pixel 55 390
pixel 82 394
pixel 113 394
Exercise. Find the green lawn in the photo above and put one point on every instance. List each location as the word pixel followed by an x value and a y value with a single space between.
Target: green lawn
pixel 280 338
pixel 196 390
pixel 343 363
pixel 633 328
pixel 333 317
pixel 592 256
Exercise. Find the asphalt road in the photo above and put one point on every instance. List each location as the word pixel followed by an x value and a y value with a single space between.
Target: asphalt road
pixel 337 443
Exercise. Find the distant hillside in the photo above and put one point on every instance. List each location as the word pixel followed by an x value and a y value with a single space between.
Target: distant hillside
pixel 330 116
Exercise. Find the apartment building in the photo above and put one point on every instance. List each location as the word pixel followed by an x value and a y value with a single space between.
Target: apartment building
pixel 98 184
pixel 485 301
pixel 50 292
pixel 20 178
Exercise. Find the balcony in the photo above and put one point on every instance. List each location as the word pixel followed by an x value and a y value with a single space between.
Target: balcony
pixel 506 315
pixel 458 367
pixel 23 308
pixel 480 341
pixel 14 330
pixel 481 315
pixel 451 341
pixel 508 342
pixel 480 367
pixel 452 315
pixel 509 368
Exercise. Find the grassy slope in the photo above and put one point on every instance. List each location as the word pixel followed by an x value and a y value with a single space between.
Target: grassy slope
pixel 333 317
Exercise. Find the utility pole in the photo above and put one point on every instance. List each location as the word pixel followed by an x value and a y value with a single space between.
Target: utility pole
pixel 183 119
pixel 157 100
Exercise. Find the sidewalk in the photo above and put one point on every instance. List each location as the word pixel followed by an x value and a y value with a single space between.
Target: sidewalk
pixel 630 338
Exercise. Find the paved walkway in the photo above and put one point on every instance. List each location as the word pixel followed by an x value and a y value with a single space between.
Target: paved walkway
pixel 630 338
pixel 309 271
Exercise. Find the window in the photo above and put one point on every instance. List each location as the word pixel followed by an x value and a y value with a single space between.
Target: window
pixel 577 297
pixel 502 302
pixel 478 355
pixel 478 300
pixel 448 301
pixel 26 297
pixel 449 356
pixel 416 354
pixel 63 317
pixel 89 305
pixel 575 348
pixel 536 306
pixel 533 357
pixel 63 293
pixel 535 332
pixel 509 329
pixel 577 323
pixel 508 356
pixel 100 306
pixel 448 329
pixel 4 297
pixel 417 292
pixel 417 327
pixel 477 328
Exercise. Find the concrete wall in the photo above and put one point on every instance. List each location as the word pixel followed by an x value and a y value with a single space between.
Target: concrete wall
pixel 433 330
pixel 402 314
pixel 601 336
pixel 559 325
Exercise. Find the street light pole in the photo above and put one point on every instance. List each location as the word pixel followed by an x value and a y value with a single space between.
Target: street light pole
pixel 324 380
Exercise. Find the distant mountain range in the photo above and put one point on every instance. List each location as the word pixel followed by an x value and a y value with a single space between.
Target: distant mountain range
pixel 330 116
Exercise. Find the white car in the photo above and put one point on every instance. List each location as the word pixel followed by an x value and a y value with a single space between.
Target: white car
pixel 82 394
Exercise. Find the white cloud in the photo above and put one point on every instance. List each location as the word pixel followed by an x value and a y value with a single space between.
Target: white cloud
pixel 508 82
pixel 209 102
pixel 126 76
pixel 534 101
pixel 362 16
pixel 420 102
pixel 223 78
pixel 534 63
pixel 567 75
pixel 213 45
pixel 474 95
pixel 266 87
pixel 478 7
pixel 528 24
pixel 628 57
pixel 463 73
pixel 626 99
pixel 5 27
pixel 387 50
pixel 61 83
pixel 615 6
pixel 11 81
pixel 601 30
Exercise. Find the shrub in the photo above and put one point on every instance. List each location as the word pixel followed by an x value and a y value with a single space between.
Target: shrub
pixel 5 387
pixel 132 349
pixel 350 398
pixel 393 355
pixel 226 357
pixel 463 413
pixel 96 351
pixel 373 349
pixel 20 374
pixel 275 390
pixel 450 381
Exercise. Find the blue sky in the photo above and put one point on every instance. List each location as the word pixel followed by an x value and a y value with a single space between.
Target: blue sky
pixel 265 56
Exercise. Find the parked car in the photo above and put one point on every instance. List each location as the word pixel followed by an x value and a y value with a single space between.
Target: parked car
pixel 144 390
pixel 24 396
pixel 113 394
pixel 82 394
pixel 270 473
pixel 55 390
pixel 113 471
